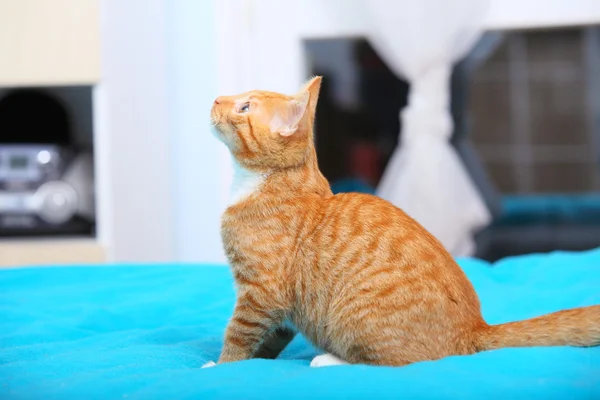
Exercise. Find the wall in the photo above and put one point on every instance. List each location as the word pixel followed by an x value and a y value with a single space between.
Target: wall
pixel 516 14
pixel 132 140
pixel 197 156
pixel 159 168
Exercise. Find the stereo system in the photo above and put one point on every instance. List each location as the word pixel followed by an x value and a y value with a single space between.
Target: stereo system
pixel 44 189
pixel 46 180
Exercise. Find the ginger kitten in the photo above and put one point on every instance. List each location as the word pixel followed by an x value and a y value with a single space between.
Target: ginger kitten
pixel 353 273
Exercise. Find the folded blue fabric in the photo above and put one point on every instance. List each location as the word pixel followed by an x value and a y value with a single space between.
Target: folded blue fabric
pixel 142 332
pixel 527 210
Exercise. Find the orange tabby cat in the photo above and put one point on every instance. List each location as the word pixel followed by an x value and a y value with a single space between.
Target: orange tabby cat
pixel 353 273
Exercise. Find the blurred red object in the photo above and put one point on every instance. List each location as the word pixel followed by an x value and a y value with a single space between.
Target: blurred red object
pixel 365 162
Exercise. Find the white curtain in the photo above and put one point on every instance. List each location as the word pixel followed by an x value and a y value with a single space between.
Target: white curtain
pixel 420 40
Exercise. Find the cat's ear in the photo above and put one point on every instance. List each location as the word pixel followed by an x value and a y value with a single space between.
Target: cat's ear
pixel 312 87
pixel 287 120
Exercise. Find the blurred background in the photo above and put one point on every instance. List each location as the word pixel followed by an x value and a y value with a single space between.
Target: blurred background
pixel 480 118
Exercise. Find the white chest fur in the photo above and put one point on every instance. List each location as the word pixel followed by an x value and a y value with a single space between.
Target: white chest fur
pixel 244 183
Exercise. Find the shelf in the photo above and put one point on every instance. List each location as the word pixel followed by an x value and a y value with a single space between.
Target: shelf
pixel 29 252
pixel 49 42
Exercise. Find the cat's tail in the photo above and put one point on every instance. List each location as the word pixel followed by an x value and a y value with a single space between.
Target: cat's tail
pixel 576 327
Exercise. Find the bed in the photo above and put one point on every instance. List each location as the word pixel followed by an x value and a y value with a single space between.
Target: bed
pixel 144 331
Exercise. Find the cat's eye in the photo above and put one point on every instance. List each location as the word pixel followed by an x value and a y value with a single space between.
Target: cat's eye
pixel 245 108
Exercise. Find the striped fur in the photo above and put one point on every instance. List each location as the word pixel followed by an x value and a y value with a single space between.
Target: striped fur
pixel 353 273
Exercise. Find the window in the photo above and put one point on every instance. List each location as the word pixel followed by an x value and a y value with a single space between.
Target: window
pixel 535 115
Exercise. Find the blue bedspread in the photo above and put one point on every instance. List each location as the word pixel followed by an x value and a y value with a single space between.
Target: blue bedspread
pixel 142 332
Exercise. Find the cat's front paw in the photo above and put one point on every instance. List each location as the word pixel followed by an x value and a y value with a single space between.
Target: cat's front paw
pixel 326 360
pixel 209 364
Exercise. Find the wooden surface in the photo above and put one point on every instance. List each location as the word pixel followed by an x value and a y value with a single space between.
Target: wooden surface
pixel 23 252
pixel 49 42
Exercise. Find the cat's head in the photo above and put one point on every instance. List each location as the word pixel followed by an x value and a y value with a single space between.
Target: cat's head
pixel 266 130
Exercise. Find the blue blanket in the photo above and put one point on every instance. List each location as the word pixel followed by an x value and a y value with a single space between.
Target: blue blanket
pixel 142 332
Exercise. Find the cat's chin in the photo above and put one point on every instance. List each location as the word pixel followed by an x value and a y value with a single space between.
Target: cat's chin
pixel 220 136
pixel 216 132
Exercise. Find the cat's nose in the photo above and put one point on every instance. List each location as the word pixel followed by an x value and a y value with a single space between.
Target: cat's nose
pixel 218 100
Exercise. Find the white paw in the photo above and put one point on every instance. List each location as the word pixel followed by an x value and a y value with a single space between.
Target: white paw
pixel 326 360
pixel 209 364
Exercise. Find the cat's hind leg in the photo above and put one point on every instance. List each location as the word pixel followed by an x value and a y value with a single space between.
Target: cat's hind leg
pixel 275 343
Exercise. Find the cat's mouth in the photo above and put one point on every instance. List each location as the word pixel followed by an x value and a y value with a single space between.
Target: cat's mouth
pixel 215 117
pixel 216 120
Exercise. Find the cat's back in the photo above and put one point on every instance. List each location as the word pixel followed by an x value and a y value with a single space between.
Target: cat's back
pixel 359 234
pixel 370 215
pixel 371 233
